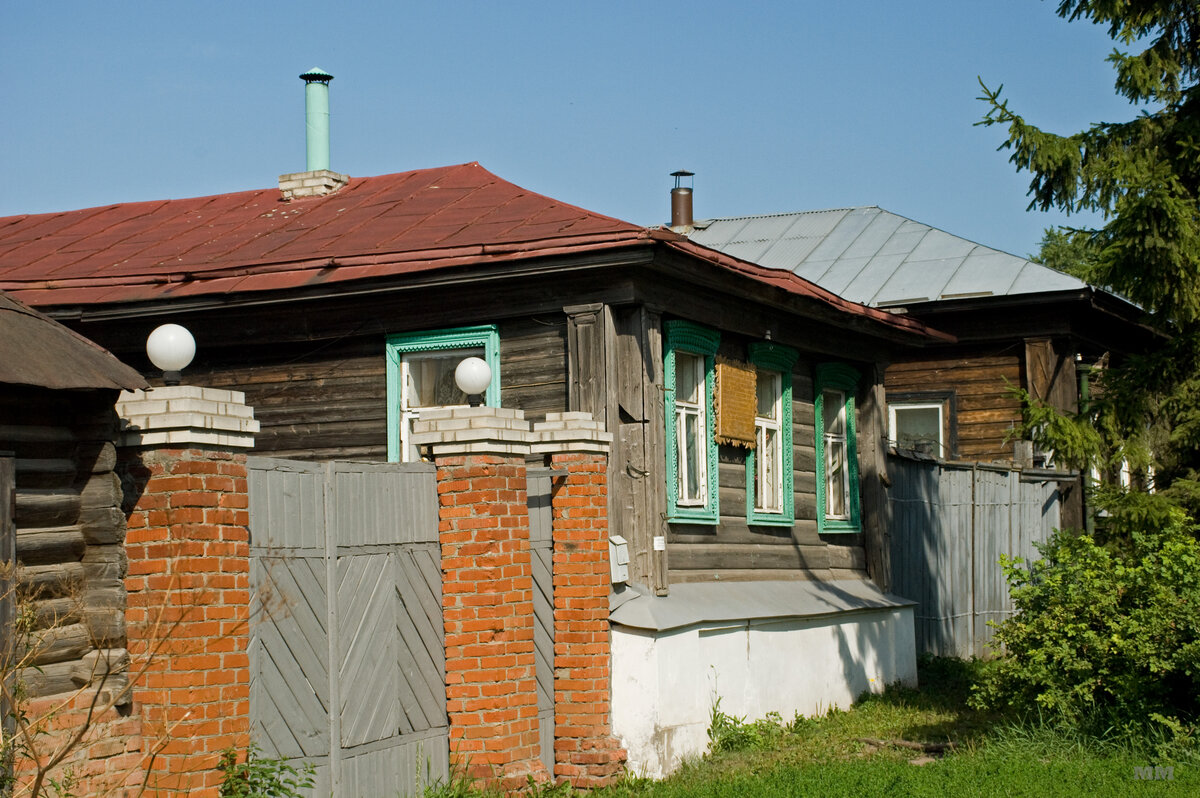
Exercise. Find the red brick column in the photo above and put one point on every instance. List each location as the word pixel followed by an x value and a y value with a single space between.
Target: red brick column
pixel 188 582
pixel 585 752
pixel 487 591
pixel 189 597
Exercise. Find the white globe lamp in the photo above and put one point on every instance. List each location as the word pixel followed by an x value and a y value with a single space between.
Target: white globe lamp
pixel 171 348
pixel 473 376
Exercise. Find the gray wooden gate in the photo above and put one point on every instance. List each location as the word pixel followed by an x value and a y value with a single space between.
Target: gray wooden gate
pixel 347 662
pixel 949 524
pixel 541 552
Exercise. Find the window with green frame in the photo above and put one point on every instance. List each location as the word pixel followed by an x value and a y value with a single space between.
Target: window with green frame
pixel 420 374
pixel 689 363
pixel 769 466
pixel 837 451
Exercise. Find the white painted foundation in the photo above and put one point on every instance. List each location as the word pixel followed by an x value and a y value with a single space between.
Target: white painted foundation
pixel 665 682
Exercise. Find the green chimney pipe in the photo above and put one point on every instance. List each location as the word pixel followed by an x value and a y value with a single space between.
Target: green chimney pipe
pixel 316 117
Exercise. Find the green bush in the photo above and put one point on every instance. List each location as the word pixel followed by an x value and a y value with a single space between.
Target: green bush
pixel 259 777
pixel 1104 634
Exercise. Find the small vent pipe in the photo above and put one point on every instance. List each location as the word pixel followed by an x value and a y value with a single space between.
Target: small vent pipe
pixel 681 203
pixel 316 116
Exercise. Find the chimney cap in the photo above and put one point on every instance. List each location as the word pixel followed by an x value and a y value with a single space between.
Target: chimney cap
pixel 316 74
pixel 679 175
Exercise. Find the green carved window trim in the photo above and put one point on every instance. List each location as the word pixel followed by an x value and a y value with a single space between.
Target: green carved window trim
pixel 838 377
pixel 773 357
pixel 400 344
pixel 698 340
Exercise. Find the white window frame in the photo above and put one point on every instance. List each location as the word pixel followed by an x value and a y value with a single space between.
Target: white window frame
pixel 698 411
pixel 400 347
pixel 842 443
pixel 894 439
pixel 763 425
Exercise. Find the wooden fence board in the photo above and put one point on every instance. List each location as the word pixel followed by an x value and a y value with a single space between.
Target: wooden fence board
pixel 371 530
pixel 539 482
pixel 950 523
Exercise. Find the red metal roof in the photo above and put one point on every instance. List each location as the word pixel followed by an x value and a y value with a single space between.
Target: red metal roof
pixel 373 227
pixel 253 240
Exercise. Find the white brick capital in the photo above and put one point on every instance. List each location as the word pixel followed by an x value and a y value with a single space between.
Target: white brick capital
pixel 181 415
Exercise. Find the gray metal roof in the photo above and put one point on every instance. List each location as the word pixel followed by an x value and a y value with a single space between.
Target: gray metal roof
pixel 876 257
pixel 693 603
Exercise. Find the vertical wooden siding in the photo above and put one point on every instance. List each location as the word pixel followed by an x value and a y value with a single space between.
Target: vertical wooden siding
pixel 950 522
pixel 346 651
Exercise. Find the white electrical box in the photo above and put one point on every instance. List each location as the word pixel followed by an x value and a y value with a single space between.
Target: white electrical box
pixel 618 559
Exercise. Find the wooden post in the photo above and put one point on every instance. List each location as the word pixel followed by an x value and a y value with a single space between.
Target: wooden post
pixel 872 456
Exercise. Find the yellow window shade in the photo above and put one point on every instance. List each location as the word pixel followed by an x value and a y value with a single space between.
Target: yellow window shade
pixel 735 403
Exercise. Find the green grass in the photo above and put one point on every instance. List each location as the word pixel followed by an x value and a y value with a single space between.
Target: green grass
pixel 992 755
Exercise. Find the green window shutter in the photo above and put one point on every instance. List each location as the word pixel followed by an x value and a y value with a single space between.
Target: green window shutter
pixel 688 337
pixel 486 336
pixel 838 377
pixel 773 357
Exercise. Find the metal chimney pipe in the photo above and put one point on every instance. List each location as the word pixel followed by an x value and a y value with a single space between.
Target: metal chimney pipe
pixel 681 203
pixel 316 116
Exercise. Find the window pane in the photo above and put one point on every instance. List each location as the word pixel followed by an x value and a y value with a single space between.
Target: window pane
pixel 919 428
pixel 766 460
pixel 833 404
pixel 689 378
pixel 767 388
pixel 690 458
pixel 431 377
pixel 835 478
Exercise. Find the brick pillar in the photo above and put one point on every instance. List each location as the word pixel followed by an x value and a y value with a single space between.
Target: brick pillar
pixel 585 752
pixel 487 590
pixel 188 543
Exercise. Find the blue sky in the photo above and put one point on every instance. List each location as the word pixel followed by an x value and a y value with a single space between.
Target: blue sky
pixel 777 106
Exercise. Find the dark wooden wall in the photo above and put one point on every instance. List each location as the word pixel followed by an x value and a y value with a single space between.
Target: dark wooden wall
pixel 984 408
pixel 70 531
pixel 617 375
pixel 328 400
pixel 734 550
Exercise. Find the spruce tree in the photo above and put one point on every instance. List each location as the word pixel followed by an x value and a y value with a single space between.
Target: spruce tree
pixel 1143 176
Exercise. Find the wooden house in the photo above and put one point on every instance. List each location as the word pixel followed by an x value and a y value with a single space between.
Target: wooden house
pixel 63 528
pixel 1015 323
pixel 745 402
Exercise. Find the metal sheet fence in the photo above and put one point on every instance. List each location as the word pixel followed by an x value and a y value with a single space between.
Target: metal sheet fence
pixel 949 524
pixel 347 660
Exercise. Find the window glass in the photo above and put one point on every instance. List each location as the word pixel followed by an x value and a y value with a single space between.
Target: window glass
pixel 836 473
pixel 429 377
pixel 689 425
pixel 918 427
pixel 768 477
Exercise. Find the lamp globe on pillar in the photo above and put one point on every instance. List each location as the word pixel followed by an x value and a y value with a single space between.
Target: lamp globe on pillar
pixel 171 348
pixel 473 376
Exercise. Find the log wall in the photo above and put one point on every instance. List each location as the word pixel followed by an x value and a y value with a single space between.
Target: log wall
pixel 328 400
pixel 984 409
pixel 70 532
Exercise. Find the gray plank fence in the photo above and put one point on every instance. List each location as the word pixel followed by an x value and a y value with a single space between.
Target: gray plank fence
pixel 541 552
pixel 347 660
pixel 949 524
